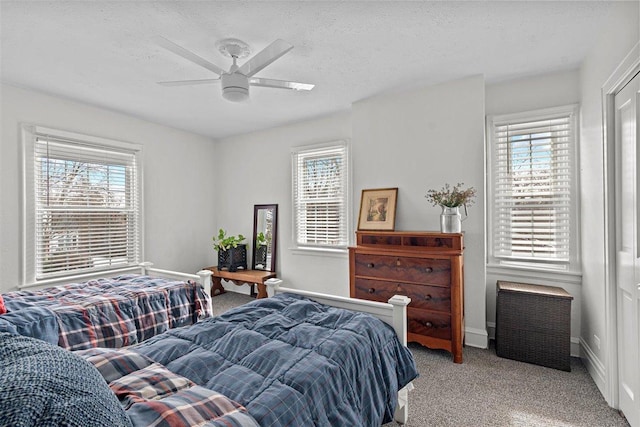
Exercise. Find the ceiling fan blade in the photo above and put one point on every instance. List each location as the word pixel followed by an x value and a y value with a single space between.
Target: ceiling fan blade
pixel 188 55
pixel 280 84
pixel 265 57
pixel 189 82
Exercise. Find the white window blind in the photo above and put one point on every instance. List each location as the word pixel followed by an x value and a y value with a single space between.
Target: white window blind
pixel 86 206
pixel 320 182
pixel 533 188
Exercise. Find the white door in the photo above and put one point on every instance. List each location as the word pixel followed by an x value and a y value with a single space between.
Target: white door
pixel 627 250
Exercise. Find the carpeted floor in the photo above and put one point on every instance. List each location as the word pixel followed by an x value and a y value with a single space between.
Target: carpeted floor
pixel 224 302
pixel 487 390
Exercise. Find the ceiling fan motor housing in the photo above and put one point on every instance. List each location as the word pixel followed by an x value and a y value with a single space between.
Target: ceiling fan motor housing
pixel 235 87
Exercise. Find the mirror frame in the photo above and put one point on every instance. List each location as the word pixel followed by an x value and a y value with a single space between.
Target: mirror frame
pixel 274 235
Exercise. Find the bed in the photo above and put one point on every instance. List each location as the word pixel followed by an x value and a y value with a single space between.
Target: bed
pixel 114 311
pixel 285 360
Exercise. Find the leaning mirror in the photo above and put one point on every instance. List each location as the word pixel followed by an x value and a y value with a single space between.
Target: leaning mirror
pixel 265 225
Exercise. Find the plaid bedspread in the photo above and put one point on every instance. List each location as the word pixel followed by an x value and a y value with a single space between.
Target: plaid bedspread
pixel 109 312
pixel 292 362
pixel 152 395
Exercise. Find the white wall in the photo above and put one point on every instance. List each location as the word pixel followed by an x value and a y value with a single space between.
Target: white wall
pixel 404 140
pixel 613 45
pixel 420 140
pixel 527 94
pixel 179 182
pixel 532 93
pixel 256 169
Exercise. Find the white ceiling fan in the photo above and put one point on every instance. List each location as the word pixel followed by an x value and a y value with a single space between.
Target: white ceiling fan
pixel 236 81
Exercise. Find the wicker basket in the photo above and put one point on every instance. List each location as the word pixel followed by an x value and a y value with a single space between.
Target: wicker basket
pixel 533 324
pixel 233 259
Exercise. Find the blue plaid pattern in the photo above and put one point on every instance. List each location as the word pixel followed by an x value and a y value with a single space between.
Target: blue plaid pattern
pixel 152 395
pixel 194 406
pixel 116 312
pixel 291 361
pixel 114 364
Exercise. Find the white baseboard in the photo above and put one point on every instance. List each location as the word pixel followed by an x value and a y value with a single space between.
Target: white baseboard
pixel 594 366
pixel 575 341
pixel 491 329
pixel 575 347
pixel 476 338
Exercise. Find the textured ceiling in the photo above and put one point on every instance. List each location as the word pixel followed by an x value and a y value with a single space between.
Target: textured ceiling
pixel 102 52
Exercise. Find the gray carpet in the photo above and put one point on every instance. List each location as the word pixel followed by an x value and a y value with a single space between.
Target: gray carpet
pixel 487 390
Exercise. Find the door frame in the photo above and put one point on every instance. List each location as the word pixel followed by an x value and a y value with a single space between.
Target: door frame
pixel 627 69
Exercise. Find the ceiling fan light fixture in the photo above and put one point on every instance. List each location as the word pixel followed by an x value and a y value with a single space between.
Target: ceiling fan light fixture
pixel 235 87
pixel 235 94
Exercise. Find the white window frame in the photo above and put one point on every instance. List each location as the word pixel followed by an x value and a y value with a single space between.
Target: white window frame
pixel 549 269
pixel 303 247
pixel 30 134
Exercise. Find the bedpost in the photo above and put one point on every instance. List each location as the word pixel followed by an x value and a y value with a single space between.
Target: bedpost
pixel 144 267
pixel 205 279
pixel 400 303
pixel 205 282
pixel 272 286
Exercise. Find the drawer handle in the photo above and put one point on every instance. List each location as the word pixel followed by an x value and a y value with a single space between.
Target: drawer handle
pixel 371 265
pixel 428 297
pixel 398 263
pixel 428 324
pixel 372 290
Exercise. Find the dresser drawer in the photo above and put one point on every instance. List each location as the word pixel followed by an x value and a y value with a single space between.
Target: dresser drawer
pixel 406 269
pixel 422 296
pixel 429 323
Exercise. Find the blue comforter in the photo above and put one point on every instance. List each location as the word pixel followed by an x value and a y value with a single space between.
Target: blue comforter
pixel 292 362
pixel 108 312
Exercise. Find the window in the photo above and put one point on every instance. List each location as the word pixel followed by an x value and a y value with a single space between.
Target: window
pixel 533 187
pixel 82 204
pixel 320 183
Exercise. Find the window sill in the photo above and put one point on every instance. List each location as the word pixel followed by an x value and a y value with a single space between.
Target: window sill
pixel 324 252
pixel 73 278
pixel 533 274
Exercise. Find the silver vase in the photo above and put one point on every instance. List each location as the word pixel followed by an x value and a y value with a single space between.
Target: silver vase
pixel 450 220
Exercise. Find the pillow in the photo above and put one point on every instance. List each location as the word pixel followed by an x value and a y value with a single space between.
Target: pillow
pixel 3 309
pixel 45 385
pixel 35 322
pixel 151 383
pixel 114 364
pixel 192 406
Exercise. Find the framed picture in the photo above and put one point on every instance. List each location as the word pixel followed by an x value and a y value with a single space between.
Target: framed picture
pixel 378 209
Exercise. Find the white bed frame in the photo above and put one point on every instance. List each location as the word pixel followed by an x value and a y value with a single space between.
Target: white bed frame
pixel 394 313
pixel 203 277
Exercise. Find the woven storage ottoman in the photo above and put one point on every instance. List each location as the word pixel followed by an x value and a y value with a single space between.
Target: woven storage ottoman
pixel 533 324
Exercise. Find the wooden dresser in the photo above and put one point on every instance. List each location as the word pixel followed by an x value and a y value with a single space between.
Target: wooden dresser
pixel 425 266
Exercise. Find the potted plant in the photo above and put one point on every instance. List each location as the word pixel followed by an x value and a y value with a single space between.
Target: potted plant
pixel 450 199
pixel 232 253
